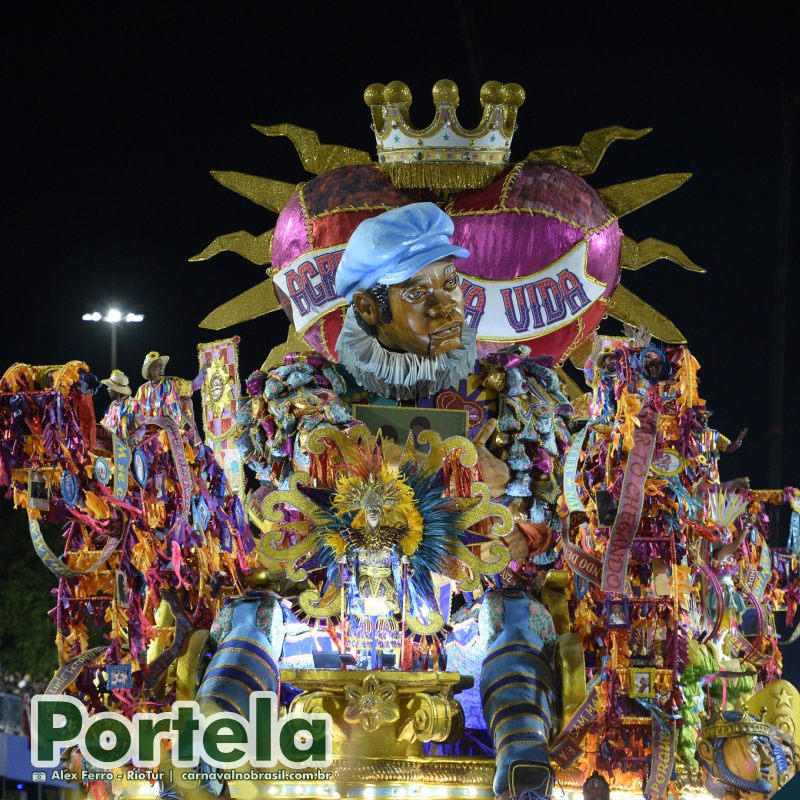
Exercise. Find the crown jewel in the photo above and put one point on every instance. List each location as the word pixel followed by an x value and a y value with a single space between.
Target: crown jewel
pixel 445 155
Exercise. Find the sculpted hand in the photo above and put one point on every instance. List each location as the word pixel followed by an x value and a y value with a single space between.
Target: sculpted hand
pixel 496 473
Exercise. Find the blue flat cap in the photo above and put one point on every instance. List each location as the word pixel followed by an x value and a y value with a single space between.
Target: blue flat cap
pixel 395 245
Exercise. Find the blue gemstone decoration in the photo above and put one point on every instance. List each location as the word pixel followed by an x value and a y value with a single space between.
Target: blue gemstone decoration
pixel 69 488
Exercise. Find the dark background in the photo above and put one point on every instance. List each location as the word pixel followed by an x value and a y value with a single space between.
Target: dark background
pixel 112 121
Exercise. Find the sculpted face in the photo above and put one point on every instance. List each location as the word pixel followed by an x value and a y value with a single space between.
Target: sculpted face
pixel 747 765
pixel 427 312
pixel 748 757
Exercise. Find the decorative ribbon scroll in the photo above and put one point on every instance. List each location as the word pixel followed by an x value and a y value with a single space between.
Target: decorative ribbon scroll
pixel 583 564
pixel 55 564
pixel 567 748
pixel 631 502
pixel 571 469
pixel 580 562
pixel 662 760
pixel 509 310
pixel 179 456
pixel 67 673
pixel 182 627
pixel 122 463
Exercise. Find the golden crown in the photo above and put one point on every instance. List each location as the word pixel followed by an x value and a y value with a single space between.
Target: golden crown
pixel 445 154
pixel 748 725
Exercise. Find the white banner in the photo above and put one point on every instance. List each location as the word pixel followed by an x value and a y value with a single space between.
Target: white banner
pixel 502 311
pixel 308 283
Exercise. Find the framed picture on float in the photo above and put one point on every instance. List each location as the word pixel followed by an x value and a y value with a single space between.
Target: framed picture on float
pixel 643 682
pixel 618 613
pixel 396 422
pixel 39 491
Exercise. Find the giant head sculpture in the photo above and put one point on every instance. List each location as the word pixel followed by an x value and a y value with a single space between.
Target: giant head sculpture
pixel 398 273
pixel 747 757
pixel 405 323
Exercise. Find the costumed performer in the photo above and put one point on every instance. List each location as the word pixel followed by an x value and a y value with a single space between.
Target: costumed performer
pixel 163 396
pixel 119 414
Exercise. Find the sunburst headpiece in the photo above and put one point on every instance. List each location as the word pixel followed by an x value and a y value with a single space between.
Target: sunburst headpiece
pixel 354 492
pixel 431 526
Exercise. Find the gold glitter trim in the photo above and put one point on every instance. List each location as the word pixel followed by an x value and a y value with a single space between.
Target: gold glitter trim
pixel 340 209
pixel 442 176
pixel 315 156
pixel 267 192
pixel 584 158
pixel 635 255
pixel 544 212
pixel 575 342
pixel 507 183
pixel 624 198
pixel 306 216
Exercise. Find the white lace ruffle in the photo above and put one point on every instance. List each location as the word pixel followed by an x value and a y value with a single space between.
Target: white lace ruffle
pixel 404 376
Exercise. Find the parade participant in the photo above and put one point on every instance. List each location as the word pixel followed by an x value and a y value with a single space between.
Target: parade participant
pixel 163 396
pixel 119 413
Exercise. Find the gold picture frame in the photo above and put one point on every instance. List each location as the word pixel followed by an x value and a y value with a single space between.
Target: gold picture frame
pixel 643 682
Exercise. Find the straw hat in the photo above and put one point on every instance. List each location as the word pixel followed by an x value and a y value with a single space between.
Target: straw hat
pixel 151 358
pixel 118 382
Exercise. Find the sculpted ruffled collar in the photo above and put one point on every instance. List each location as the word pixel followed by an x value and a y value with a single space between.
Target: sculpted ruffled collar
pixel 403 376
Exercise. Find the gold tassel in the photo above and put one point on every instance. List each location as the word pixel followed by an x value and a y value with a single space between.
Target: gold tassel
pixel 441 177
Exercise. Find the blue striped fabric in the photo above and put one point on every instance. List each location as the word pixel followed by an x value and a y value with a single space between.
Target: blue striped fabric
pixel 517 691
pixel 243 663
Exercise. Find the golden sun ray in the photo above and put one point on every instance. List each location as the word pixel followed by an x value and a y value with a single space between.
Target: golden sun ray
pixel 256 249
pixel 294 343
pixel 635 255
pixel 584 158
pixel 579 355
pixel 316 157
pixel 625 306
pixel 248 305
pixel 624 198
pixel 267 192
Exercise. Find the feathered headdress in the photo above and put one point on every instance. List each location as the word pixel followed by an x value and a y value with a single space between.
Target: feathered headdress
pixel 422 517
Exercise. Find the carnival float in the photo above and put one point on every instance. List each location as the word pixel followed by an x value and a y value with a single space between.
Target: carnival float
pixel 495 582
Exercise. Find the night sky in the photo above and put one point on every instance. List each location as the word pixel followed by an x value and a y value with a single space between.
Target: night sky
pixel 112 123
